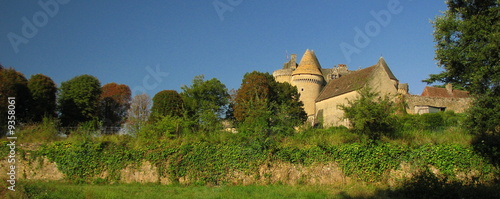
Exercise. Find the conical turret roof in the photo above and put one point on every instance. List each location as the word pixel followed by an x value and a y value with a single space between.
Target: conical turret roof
pixel 308 64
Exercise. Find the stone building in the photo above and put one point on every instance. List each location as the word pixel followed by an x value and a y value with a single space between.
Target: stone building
pixel 435 99
pixel 323 89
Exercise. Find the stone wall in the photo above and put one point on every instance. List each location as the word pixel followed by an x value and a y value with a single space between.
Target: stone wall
pixel 331 114
pixel 458 105
pixel 274 172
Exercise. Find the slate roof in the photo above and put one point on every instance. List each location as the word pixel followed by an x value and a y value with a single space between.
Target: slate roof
pixel 443 92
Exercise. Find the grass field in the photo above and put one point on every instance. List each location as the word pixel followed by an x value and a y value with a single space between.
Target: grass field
pixel 54 190
pixel 62 190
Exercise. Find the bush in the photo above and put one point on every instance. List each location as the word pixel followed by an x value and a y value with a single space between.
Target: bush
pixel 165 127
pixel 370 114
pixel 430 121
pixel 45 131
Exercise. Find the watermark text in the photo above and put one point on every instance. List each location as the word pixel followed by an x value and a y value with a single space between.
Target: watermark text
pixel 29 29
pixel 11 157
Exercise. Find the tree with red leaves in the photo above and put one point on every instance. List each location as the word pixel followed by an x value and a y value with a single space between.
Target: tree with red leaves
pixel 114 103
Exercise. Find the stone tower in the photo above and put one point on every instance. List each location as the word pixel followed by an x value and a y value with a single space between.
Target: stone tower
pixel 309 81
pixel 285 74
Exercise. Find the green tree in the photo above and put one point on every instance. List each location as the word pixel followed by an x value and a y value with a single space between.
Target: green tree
pixel 252 95
pixel 114 103
pixel 43 91
pixel 166 103
pixel 14 84
pixel 370 114
pixel 206 103
pixel 468 40
pixel 79 100
pixel 267 107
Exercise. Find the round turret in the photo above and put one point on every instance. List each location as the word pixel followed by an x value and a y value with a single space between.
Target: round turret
pixel 309 81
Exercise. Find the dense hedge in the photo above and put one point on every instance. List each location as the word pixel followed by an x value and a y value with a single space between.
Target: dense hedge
pixel 212 163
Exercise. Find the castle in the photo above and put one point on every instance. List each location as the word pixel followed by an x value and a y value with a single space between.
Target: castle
pixel 323 89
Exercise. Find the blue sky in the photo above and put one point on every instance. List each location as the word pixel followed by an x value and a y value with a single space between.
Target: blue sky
pixel 156 45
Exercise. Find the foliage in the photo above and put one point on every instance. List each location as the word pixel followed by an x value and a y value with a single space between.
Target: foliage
pixel 168 126
pixel 42 132
pixel 371 161
pixel 79 100
pixel 206 163
pixel 138 113
pixel 367 161
pixel 213 162
pixel 264 107
pixel 84 160
pixel 467 37
pixel 254 89
pixel 426 184
pixel 43 91
pixel 14 84
pixel 114 103
pixel 370 114
pixel 430 121
pixel 166 103
pixel 206 103
pixel 467 45
pixel 484 115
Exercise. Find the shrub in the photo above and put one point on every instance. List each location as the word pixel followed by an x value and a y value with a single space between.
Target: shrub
pixel 44 131
pixel 370 114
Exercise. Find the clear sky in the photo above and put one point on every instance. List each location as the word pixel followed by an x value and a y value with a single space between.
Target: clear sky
pixel 155 45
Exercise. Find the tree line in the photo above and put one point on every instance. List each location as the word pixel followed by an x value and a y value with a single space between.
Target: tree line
pixel 78 100
pixel 260 105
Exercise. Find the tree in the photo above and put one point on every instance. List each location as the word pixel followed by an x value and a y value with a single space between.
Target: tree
pixel 79 100
pixel 370 114
pixel 262 104
pixel 206 103
pixel 14 84
pixel 138 113
pixel 43 91
pixel 252 95
pixel 468 46
pixel 114 103
pixel 166 103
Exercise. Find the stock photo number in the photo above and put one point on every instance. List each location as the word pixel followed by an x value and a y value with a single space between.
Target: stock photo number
pixel 11 116
pixel 11 126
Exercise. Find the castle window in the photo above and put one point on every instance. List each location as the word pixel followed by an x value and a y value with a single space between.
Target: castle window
pixel 302 89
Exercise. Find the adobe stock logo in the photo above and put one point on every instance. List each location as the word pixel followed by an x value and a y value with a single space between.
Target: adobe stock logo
pixel 29 29
pixel 148 83
pixel 221 7
pixel 372 29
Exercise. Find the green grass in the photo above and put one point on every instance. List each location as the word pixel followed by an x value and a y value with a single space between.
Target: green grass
pixel 413 137
pixel 54 190
pixel 450 135
pixel 61 190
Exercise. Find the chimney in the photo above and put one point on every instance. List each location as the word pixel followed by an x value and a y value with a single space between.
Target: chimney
pixel 449 88
pixel 403 88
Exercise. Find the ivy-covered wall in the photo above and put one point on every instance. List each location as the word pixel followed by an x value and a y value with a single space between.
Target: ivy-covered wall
pixel 232 163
